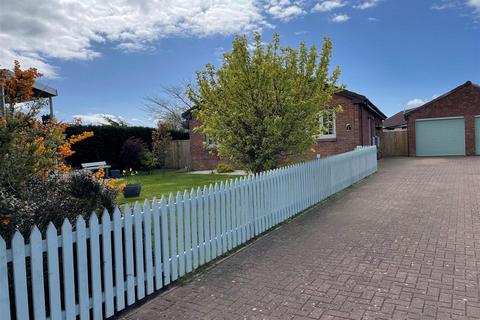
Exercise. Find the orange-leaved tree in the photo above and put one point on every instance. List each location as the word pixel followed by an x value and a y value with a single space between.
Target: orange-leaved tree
pixel 40 147
pixel 34 173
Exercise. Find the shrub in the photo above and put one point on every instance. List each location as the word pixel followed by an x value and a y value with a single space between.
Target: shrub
pixel 132 153
pixel 52 199
pixel 161 139
pixel 225 167
pixel 149 161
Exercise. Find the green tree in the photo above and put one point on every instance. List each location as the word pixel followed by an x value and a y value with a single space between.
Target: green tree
pixel 262 106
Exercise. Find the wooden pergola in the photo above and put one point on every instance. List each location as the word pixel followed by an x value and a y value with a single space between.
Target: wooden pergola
pixel 40 90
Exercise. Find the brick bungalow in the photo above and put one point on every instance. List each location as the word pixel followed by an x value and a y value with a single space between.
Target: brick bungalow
pixel 360 124
pixel 448 125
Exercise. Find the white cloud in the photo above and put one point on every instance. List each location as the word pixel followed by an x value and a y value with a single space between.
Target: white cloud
pixel 373 19
pixel 417 102
pixel 339 18
pixel 97 118
pixel 443 5
pixel 475 4
pixel 284 10
pixel 414 103
pixel 328 5
pixel 367 4
pixel 58 29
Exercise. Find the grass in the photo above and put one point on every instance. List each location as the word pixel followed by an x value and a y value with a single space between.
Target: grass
pixel 162 182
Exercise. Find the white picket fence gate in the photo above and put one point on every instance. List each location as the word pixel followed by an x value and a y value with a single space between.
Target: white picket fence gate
pixel 96 271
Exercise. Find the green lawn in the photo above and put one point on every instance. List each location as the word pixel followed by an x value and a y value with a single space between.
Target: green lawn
pixel 162 182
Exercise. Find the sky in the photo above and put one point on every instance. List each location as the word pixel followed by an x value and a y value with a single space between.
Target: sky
pixel 106 57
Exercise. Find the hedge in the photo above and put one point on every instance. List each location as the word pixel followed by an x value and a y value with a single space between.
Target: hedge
pixel 107 141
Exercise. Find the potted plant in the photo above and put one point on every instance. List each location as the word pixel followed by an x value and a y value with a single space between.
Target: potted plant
pixel 132 187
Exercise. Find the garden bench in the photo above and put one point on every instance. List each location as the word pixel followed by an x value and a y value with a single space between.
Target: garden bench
pixel 96 166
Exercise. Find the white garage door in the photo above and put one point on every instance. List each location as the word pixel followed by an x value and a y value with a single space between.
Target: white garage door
pixel 440 137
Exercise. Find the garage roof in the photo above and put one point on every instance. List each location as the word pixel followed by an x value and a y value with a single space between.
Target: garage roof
pixel 466 84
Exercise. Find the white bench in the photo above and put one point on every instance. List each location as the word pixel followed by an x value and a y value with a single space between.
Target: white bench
pixel 96 166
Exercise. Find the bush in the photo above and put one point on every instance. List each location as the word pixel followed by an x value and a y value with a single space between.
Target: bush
pixel 161 140
pixel 149 161
pixel 132 153
pixel 225 167
pixel 107 141
pixel 52 199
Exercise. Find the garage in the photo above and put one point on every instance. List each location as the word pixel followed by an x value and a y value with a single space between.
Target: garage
pixel 448 125
pixel 440 137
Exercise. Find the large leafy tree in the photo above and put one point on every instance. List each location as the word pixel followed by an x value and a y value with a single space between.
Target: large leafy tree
pixel 262 106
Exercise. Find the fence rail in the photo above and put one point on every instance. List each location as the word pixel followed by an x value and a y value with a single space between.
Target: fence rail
pixel 96 271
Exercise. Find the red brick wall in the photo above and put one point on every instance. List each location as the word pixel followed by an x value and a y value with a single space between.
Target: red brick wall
pixel 201 158
pixel 346 140
pixel 463 102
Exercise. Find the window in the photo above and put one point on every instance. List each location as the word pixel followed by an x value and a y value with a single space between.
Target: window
pixel 327 127
pixel 209 143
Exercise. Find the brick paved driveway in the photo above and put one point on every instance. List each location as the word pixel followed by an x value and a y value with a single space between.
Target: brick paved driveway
pixel 404 244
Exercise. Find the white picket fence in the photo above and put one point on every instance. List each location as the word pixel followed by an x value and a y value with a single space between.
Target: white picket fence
pixel 96 271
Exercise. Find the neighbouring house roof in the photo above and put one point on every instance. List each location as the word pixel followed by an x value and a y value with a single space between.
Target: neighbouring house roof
pixel 188 112
pixel 361 99
pixel 40 90
pixel 357 99
pixel 466 84
pixel 396 121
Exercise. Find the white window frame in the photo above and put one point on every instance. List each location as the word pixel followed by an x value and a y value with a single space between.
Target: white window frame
pixel 323 135
pixel 209 143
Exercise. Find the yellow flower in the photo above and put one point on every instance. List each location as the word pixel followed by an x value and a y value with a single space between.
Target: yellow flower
pixel 100 173
pixel 41 148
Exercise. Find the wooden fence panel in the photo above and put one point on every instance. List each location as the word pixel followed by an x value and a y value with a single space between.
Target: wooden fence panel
pixel 82 269
pixel 157 238
pixel 147 228
pixel 180 234
pixel 68 270
pixel 20 277
pixel 132 254
pixel 38 289
pixel 395 143
pixel 107 263
pixel 118 249
pixel 165 242
pixel 129 268
pixel 95 267
pixel 4 284
pixel 178 155
pixel 53 273
pixel 188 231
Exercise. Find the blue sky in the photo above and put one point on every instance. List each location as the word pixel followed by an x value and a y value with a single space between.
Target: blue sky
pixel 107 60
